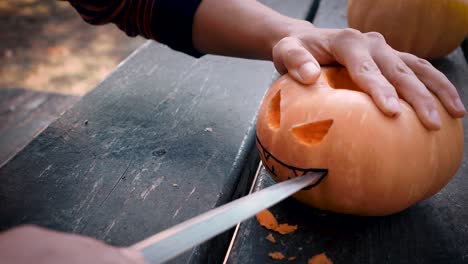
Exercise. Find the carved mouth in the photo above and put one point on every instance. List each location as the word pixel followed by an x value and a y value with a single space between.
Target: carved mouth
pixel 272 161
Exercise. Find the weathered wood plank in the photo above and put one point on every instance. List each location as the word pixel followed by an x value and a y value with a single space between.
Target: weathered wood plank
pixel 164 138
pixel 24 114
pixel 433 231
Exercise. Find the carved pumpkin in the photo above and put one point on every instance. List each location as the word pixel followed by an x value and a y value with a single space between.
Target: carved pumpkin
pixel 377 165
pixel 428 29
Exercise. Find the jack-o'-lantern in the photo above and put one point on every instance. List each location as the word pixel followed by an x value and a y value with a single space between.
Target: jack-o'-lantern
pixel 377 165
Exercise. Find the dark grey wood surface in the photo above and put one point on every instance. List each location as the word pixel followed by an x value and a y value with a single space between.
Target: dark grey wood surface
pixel 24 114
pixel 433 231
pixel 464 47
pixel 165 137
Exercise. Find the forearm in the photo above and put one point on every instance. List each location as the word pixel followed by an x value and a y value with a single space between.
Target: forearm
pixel 239 28
pixel 167 21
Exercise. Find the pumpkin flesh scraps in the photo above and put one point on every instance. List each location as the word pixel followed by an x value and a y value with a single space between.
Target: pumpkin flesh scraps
pixel 284 229
pixel 276 255
pixel 266 219
pixel 319 259
pixel 271 238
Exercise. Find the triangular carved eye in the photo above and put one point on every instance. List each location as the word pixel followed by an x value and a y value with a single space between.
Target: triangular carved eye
pixel 274 111
pixel 312 133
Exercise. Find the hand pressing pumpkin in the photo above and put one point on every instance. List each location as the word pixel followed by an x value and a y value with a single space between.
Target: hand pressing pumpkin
pixel 380 71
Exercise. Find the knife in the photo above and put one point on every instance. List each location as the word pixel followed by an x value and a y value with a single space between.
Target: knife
pixel 176 240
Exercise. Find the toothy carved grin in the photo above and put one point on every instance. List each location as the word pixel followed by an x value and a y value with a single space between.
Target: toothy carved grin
pixel 296 171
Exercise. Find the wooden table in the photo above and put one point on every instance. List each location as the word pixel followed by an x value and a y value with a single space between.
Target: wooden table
pixel 24 114
pixel 166 137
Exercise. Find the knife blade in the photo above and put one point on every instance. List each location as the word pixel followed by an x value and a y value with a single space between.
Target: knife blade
pixel 176 240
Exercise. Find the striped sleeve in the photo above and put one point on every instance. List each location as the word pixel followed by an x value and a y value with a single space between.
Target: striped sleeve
pixel 167 21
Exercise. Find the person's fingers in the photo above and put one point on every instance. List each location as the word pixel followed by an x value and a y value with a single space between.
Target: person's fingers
pixel 407 84
pixel 289 55
pixel 351 49
pixel 436 82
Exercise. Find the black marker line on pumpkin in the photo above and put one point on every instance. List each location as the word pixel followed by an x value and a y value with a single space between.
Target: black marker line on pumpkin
pixel 267 155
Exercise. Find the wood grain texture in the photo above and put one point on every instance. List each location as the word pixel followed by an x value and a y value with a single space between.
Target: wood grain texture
pixel 24 114
pixel 165 137
pixel 432 231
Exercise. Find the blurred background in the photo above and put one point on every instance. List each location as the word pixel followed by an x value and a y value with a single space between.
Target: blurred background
pixel 49 58
pixel 46 46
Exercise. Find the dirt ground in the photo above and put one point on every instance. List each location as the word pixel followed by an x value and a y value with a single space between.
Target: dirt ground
pixel 46 46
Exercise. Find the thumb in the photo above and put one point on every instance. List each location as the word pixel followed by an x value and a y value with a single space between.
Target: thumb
pixel 289 55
